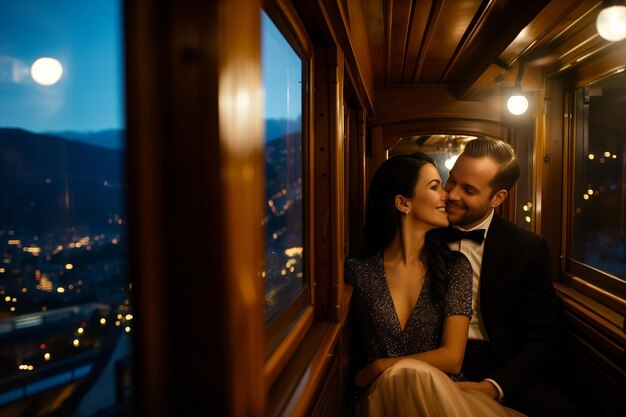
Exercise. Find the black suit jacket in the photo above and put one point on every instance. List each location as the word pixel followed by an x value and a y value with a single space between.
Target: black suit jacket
pixel 519 306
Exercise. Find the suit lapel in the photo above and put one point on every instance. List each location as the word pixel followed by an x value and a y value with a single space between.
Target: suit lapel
pixel 493 255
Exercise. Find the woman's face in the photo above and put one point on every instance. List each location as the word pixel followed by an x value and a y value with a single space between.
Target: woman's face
pixel 428 204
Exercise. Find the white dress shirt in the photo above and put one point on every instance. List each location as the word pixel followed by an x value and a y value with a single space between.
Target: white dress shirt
pixel 474 253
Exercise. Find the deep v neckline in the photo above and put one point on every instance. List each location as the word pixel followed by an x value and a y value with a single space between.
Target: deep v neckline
pixel 393 304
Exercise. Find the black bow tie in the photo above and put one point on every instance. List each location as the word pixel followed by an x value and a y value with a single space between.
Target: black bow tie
pixel 453 235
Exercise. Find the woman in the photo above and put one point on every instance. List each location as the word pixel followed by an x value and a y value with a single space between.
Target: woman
pixel 412 299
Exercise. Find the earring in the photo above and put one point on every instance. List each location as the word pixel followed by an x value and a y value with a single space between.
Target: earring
pixel 407 213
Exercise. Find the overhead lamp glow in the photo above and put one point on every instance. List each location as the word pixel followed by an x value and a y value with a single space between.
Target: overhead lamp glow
pixel 611 23
pixel 449 163
pixel 517 104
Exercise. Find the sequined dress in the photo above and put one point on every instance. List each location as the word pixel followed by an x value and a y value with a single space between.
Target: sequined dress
pixel 376 315
pixel 413 388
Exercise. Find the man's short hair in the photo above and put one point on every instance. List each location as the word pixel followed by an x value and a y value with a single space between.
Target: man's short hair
pixel 500 152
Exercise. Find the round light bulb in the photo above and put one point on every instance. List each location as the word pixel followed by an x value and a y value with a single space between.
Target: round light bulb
pixel 449 163
pixel 611 23
pixel 517 105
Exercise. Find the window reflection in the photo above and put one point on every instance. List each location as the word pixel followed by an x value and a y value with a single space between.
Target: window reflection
pixel 599 201
pixel 65 310
pixel 282 79
pixel 444 149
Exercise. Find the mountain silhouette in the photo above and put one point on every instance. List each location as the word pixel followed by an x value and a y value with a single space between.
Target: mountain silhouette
pixel 49 184
pixel 109 138
pixel 277 128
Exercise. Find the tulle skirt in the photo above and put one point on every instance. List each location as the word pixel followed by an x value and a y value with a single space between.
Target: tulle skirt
pixel 413 388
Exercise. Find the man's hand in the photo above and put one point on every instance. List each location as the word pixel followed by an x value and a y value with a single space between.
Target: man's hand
pixel 484 386
pixel 367 375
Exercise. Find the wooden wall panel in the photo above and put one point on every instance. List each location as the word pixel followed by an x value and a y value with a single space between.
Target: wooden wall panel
pixel 595 359
pixel 399 104
pixel 196 178
pixel 329 185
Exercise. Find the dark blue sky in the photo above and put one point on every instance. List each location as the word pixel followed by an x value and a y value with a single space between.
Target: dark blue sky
pixel 85 36
pixel 282 74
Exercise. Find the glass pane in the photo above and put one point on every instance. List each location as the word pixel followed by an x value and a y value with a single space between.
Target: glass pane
pixel 444 149
pixel 282 80
pixel 599 216
pixel 65 312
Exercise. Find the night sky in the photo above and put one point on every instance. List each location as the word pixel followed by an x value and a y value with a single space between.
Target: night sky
pixel 86 37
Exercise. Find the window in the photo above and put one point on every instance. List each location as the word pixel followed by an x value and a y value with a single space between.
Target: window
pixel 286 287
pixel 598 200
pixel 65 311
pixel 444 149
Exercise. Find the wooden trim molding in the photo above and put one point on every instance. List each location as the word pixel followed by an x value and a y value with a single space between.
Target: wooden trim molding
pixel 392 133
pixel 403 104
pixel 601 295
pixel 349 35
pixel 329 184
pixel 289 18
pixel 594 353
pixel 279 358
pixel 296 390
pixel 602 318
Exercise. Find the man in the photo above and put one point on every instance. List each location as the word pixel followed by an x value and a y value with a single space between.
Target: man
pixel 513 347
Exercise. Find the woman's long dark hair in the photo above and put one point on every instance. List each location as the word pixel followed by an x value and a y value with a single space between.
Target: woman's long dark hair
pixel 398 175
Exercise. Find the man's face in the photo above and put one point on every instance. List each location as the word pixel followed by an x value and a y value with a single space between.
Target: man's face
pixel 469 193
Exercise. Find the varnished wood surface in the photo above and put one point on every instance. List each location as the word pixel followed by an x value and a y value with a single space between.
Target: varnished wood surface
pixel 297 390
pixel 399 104
pixel 196 189
pixel 595 360
pixel 278 359
pixel 449 43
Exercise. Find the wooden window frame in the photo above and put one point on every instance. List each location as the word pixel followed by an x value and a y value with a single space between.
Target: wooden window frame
pixel 194 117
pixel 596 284
pixel 285 333
pixel 594 312
pixel 193 202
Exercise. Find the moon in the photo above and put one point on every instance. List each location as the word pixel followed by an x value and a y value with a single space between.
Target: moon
pixel 46 71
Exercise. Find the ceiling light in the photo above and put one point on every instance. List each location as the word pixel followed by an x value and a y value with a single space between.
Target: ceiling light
pixel 611 22
pixel 517 103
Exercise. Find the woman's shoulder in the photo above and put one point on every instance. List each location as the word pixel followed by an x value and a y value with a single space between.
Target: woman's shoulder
pixel 459 263
pixel 356 267
pixel 363 262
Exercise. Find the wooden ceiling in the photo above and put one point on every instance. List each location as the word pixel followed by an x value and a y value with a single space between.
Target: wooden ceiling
pixel 474 46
